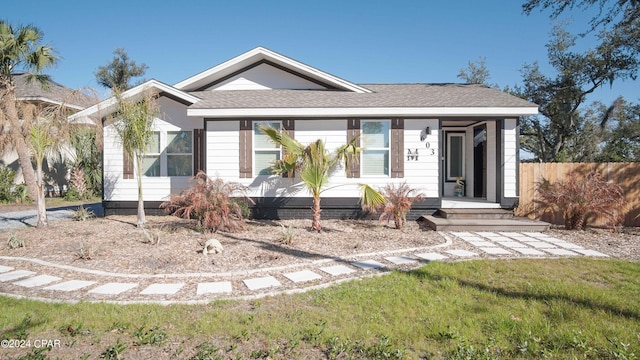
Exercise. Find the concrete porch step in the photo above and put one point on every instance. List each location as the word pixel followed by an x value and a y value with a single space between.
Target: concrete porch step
pixel 475 213
pixel 514 224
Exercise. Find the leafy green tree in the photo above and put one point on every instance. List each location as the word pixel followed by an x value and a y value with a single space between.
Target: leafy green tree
pixel 133 121
pixel 118 74
pixel 314 164
pixel 560 96
pixel 21 50
pixel 621 138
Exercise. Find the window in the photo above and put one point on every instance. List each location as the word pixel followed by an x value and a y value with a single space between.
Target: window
pixel 169 154
pixel 179 153
pixel 265 151
pixel 375 141
pixel 455 156
pixel 151 159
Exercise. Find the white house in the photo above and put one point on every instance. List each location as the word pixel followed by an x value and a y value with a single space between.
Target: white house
pixel 428 135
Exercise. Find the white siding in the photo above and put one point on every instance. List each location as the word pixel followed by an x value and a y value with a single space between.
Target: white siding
pixel 265 77
pixel 173 117
pixel 491 161
pixel 509 157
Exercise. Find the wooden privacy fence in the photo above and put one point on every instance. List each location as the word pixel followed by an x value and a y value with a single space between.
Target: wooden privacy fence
pixel 627 175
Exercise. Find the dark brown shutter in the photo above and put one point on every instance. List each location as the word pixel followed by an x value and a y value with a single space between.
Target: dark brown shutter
pixel 288 126
pixel 246 158
pixel 127 166
pixel 199 156
pixel 397 148
pixel 353 131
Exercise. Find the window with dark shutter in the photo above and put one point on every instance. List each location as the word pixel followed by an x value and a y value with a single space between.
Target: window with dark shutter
pixel 288 126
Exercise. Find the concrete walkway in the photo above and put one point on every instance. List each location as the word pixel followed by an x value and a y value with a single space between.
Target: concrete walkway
pixel 25 218
pixel 37 279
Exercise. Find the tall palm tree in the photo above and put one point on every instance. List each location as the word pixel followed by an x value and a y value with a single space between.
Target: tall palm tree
pixel 314 163
pixel 133 122
pixel 21 50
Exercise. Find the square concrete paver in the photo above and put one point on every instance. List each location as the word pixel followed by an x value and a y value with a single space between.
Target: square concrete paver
pixel 401 260
pixel 70 285
pixel 481 243
pixel 337 270
pixel 113 288
pixel 587 252
pixel 560 252
pixel 218 287
pixel 568 245
pixel 302 276
pixel 528 251
pixel 512 244
pixel 5 268
pixel 368 264
pixel 461 253
pixel 432 256
pixel 15 275
pixel 261 283
pixel 37 281
pixel 162 289
pixel 495 251
pixel 540 245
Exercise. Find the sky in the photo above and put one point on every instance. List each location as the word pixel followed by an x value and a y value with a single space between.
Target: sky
pixel 362 41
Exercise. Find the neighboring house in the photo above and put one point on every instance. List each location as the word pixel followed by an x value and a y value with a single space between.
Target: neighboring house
pixel 53 94
pixel 428 135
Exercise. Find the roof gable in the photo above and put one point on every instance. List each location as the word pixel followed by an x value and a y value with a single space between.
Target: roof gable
pixel 243 64
pixel 110 105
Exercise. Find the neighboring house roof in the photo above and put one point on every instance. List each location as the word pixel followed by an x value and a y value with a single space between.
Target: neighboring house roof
pixel 52 93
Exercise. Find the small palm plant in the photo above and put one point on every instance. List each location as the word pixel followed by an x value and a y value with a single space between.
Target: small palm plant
pixel 400 198
pixel 213 203
pixel 314 164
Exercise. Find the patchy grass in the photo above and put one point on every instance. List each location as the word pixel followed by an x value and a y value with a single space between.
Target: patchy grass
pixel 528 309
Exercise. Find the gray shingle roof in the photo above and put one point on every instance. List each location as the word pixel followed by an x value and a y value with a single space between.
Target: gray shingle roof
pixel 54 92
pixel 384 95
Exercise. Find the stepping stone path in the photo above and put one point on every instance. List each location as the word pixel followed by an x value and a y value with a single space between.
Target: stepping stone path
pixel 492 244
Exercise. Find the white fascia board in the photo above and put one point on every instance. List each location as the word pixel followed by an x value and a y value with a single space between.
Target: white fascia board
pixel 361 112
pixel 108 106
pixel 258 54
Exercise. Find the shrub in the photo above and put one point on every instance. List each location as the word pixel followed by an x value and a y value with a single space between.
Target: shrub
pixel 400 198
pixel 83 214
pixel 578 198
pixel 7 177
pixel 15 242
pixel 213 203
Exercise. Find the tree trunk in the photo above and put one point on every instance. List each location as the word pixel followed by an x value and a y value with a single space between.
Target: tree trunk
pixel 315 225
pixel 19 142
pixel 40 204
pixel 141 216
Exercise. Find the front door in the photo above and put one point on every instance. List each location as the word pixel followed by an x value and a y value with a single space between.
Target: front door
pixel 480 161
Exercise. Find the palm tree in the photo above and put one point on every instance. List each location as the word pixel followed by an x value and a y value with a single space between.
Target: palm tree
pixel 20 50
pixel 133 121
pixel 314 163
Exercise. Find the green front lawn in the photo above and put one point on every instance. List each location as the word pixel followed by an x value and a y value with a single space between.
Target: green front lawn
pixel 530 309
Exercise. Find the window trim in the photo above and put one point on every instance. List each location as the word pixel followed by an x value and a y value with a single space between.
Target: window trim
pixel 148 154
pixel 449 135
pixel 163 143
pixel 364 149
